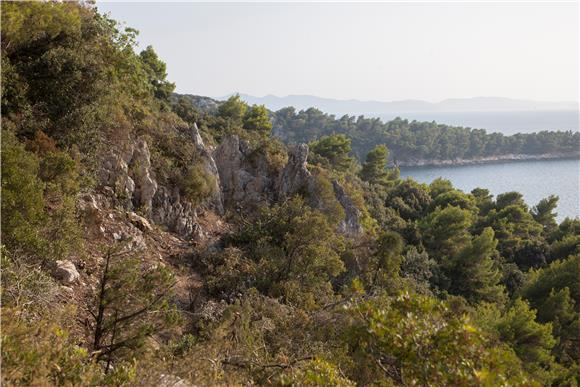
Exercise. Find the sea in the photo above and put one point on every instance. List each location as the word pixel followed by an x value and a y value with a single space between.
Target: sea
pixel 535 180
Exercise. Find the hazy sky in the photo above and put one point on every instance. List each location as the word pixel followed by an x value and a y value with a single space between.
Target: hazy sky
pixel 381 51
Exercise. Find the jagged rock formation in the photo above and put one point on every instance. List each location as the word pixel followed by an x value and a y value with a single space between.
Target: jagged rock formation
pixel 140 172
pixel 245 176
pixel 247 180
pixel 209 165
pixel 130 178
pixel 129 175
pixel 295 176
pixel 177 214
pixel 351 224
pixel 115 174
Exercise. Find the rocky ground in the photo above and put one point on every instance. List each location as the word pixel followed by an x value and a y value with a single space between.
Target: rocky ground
pixel 130 209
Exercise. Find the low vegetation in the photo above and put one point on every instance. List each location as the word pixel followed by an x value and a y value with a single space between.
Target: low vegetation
pixel 441 287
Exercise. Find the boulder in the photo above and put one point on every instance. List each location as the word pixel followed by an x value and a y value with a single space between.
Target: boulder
pixel 172 381
pixel 140 222
pixel 66 272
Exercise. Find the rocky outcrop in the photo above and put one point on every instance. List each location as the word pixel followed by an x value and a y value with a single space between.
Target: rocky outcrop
pixel 295 176
pixel 179 215
pixel 115 174
pixel 351 224
pixel 247 181
pixel 210 167
pixel 140 171
pixel 140 222
pixel 66 272
pixel 170 210
pixel 245 177
pixel 128 176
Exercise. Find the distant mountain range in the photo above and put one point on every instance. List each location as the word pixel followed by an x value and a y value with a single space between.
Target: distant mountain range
pixel 353 106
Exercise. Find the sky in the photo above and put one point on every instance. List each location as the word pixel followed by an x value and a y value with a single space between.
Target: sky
pixel 366 51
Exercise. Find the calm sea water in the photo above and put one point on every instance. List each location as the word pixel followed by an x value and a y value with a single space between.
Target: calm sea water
pixel 534 179
pixel 508 122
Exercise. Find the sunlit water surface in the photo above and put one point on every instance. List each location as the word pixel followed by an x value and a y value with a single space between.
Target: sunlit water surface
pixel 534 179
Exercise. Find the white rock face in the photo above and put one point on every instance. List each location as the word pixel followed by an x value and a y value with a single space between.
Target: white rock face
pixel 66 272
pixel 130 180
pixel 209 165
pixel 295 176
pixel 351 224
pixel 247 180
pixel 245 177
pixel 115 174
pixel 177 214
pixel 140 169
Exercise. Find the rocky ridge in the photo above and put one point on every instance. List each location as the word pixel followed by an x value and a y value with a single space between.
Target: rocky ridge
pixel 243 177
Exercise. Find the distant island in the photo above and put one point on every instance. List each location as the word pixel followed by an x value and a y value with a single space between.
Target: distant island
pixel 354 106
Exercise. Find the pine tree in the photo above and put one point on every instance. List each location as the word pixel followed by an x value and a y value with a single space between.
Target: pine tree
pixel 334 150
pixel 131 303
pixel 374 169
pixel 531 340
pixel 544 214
pixel 472 273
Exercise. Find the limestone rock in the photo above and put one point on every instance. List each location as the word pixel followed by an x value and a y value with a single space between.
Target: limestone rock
pixel 246 179
pixel 115 174
pixel 145 185
pixel 209 165
pixel 197 140
pixel 128 177
pixel 295 176
pixel 351 224
pixel 172 381
pixel 90 211
pixel 66 272
pixel 168 209
pixel 140 222
pixel 228 157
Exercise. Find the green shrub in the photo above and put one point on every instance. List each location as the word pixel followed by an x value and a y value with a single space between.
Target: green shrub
pixel 197 184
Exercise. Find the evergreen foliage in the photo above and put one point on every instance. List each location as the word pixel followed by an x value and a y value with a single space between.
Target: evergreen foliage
pixel 442 287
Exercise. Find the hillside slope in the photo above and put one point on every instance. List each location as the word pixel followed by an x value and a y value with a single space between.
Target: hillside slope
pixel 149 242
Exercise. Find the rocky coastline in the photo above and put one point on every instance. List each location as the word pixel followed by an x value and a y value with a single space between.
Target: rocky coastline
pixel 484 160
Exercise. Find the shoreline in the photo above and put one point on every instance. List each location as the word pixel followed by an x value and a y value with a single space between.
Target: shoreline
pixel 485 160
